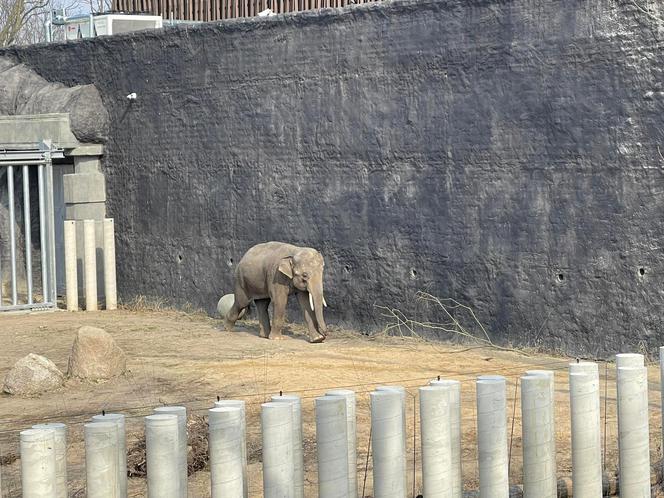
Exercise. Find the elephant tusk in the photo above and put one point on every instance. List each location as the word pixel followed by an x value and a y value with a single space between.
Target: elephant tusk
pixel 324 303
pixel 311 301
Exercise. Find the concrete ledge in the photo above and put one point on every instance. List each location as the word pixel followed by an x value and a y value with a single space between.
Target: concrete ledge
pixel 85 211
pixel 86 150
pixel 84 187
pixel 34 128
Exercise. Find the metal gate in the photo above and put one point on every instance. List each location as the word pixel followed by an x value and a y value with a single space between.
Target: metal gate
pixel 23 164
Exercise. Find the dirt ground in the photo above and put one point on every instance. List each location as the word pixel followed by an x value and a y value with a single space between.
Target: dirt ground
pixel 187 359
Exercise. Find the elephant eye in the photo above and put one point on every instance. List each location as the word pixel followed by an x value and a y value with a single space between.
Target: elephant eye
pixel 305 275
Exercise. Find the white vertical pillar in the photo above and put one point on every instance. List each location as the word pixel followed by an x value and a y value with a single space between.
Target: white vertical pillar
pixel 90 265
pixel 110 287
pixel 629 360
pixel 351 431
pixel 38 478
pixel 225 444
pixel 661 383
pixel 181 413
pixel 162 456
pixel 586 433
pixel 633 432
pixel 455 432
pixel 388 444
pixel 119 420
pixel 241 405
pixel 278 468
pixel 332 447
pixel 492 437
pixel 298 453
pixel 101 459
pixel 539 467
pixel 71 274
pixel 402 391
pixel 60 435
pixel 436 441
pixel 549 374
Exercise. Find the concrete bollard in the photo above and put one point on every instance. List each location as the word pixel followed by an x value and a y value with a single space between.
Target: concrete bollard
pixel 661 383
pixel 242 406
pixel 225 444
pixel 455 433
pixel 162 456
pixel 351 431
pixel 332 447
pixel 101 459
pixel 298 453
pixel 278 468
pixel 71 272
pixel 539 467
pixel 181 413
pixel 38 474
pixel 401 390
pixel 110 286
pixel 90 265
pixel 492 437
pixel 586 433
pixel 552 411
pixel 633 432
pixel 119 420
pixel 60 435
pixel 436 441
pixel 629 360
pixel 388 444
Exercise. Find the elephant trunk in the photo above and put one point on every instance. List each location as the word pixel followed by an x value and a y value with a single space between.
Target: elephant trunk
pixel 317 302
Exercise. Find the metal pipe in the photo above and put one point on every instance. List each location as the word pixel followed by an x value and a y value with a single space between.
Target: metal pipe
pixel 37 448
pixel 436 441
pixel 12 232
pixel 278 468
pixel 90 265
pixel 50 228
pixel 71 272
pixel 226 443
pixel 455 434
pixel 42 234
pixel 163 467
pixel 236 403
pixel 298 454
pixel 101 459
pixel 388 444
pixel 28 232
pixel 60 436
pixel 119 420
pixel 633 432
pixel 332 447
pixel 492 437
pixel 351 431
pixel 181 413
pixel 110 287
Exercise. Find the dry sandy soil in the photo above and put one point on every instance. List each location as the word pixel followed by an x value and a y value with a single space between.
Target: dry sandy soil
pixel 178 358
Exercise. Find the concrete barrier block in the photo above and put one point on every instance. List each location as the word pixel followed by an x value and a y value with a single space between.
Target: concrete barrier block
pixel 84 187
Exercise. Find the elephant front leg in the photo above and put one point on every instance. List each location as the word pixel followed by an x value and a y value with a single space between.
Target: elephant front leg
pixel 309 317
pixel 263 317
pixel 279 302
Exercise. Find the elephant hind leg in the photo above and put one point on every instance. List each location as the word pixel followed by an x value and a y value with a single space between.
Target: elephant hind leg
pixel 241 302
pixel 263 317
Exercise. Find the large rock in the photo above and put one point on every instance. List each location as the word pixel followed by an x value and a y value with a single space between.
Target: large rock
pixel 96 356
pixel 33 374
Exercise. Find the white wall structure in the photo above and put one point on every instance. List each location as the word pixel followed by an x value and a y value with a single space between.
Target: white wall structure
pixel 492 437
pixel 225 443
pixel 101 459
pixel 387 442
pixel 71 270
pixel 60 434
pixel 332 447
pixel 242 406
pixel 110 286
pixel 436 441
pixel 90 265
pixel 351 431
pixel 633 432
pixel 298 453
pixel 119 420
pixel 38 478
pixel 162 456
pixel 181 413
pixel 539 464
pixel 455 434
pixel 586 429
pixel 278 468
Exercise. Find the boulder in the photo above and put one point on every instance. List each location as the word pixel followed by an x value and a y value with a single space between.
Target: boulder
pixel 96 356
pixel 33 374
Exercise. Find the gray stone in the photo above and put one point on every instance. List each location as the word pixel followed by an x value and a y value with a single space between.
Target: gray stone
pixel 33 374
pixel 96 356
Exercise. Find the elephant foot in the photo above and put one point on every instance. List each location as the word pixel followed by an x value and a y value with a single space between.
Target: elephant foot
pixel 276 337
pixel 228 325
pixel 318 339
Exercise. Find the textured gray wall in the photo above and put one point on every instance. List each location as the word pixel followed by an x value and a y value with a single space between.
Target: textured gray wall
pixel 503 153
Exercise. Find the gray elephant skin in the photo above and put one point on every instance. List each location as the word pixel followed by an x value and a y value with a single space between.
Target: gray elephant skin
pixel 272 271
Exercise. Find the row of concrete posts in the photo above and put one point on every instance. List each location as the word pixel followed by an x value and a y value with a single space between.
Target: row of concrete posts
pixel 43 448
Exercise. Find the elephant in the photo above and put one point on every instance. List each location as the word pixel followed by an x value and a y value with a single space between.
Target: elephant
pixel 272 271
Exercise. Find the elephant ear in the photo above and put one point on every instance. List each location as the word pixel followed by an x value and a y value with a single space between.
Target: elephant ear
pixel 286 266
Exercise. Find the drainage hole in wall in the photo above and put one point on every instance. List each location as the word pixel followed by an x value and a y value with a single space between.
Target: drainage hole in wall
pixel 230 262
pixel 346 269
pixel 413 272
pixel 179 258
pixel 642 271
pixel 561 277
